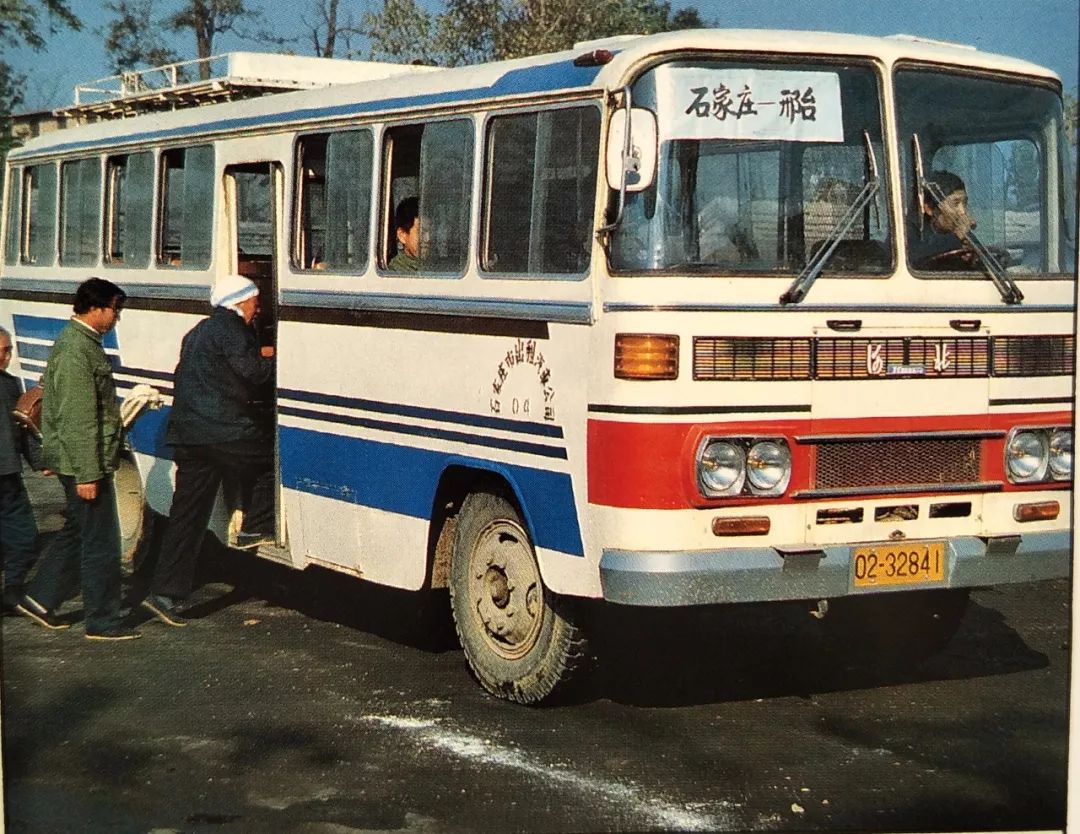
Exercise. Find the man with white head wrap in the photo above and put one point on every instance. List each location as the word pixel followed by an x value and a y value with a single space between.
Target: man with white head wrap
pixel 218 431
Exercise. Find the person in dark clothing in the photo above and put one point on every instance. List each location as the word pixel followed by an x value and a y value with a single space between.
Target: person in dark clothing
pixel 217 432
pixel 944 227
pixel 18 530
pixel 81 433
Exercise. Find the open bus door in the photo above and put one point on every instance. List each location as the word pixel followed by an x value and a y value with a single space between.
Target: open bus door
pixel 253 199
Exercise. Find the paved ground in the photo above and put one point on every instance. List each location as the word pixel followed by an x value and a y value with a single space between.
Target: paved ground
pixel 316 704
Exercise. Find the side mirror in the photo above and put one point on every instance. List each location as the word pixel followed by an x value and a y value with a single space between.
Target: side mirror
pixel 639 167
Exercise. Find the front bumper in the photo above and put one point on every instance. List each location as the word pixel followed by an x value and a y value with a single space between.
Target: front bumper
pixel 677 578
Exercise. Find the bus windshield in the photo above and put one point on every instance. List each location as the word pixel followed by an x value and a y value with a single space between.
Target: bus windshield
pixel 999 146
pixel 761 166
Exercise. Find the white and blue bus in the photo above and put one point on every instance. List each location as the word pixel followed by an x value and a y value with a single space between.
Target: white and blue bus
pixel 670 342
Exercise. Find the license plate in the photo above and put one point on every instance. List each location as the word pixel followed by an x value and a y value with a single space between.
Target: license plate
pixel 898 563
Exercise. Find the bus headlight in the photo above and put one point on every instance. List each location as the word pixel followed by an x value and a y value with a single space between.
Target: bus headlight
pixel 1026 455
pixel 721 468
pixel 1061 454
pixel 768 467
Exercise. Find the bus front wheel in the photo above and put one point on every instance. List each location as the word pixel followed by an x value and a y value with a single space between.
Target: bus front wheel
pixel 521 640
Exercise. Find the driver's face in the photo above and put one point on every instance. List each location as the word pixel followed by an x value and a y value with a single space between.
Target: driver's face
pixel 951 215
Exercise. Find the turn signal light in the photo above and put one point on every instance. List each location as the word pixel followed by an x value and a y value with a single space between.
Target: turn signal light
pixel 646 356
pixel 752 525
pixel 1042 511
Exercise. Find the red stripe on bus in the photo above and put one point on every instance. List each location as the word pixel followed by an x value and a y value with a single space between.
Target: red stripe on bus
pixel 651 465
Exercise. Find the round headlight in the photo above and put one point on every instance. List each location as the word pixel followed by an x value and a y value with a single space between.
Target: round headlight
pixel 768 466
pixel 1026 456
pixel 721 468
pixel 1061 452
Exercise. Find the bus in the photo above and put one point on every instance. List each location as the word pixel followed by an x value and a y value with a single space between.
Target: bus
pixel 671 340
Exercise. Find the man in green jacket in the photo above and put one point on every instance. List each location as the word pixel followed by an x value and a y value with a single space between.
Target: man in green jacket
pixel 81 434
pixel 407 231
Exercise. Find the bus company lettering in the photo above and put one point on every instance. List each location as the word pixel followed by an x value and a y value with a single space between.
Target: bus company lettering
pixel 514 392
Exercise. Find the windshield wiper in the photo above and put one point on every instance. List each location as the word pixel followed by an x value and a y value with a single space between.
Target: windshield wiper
pixel 801 285
pixel 1010 293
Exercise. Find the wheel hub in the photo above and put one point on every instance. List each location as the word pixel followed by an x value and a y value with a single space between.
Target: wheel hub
pixel 506 590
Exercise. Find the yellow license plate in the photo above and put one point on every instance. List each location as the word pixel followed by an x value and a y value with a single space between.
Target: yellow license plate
pixel 898 563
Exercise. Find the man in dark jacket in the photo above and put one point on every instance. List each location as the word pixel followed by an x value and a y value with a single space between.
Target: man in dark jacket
pixel 18 530
pixel 218 431
pixel 81 435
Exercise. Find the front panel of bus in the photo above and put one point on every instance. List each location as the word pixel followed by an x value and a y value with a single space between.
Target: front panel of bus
pixel 798 396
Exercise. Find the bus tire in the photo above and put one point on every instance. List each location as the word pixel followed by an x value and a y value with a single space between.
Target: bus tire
pixel 521 640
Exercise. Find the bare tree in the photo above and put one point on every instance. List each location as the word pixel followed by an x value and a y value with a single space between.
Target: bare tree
pixel 207 19
pixel 132 37
pixel 333 30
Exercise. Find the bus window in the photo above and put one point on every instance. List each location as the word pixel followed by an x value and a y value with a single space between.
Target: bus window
pixel 80 211
pixel 433 163
pixel 185 207
pixel 129 183
pixel 541 187
pixel 39 215
pixel 758 164
pixel 335 201
pixel 11 239
pixel 1023 212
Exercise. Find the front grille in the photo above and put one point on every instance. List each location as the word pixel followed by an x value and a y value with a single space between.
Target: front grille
pixel 1034 355
pixel 751 358
pixel 893 463
pixel 857 358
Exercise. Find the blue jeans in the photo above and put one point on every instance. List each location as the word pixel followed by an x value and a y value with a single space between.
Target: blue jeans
pixel 87 547
pixel 18 530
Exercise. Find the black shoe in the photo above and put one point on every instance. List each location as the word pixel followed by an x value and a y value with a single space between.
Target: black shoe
pixel 164 609
pixel 247 541
pixel 12 594
pixel 30 607
pixel 117 632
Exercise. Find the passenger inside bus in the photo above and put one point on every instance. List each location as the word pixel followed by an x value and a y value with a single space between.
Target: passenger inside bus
pixel 407 231
pixel 941 241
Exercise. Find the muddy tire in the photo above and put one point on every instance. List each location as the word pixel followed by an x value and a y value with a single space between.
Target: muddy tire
pixel 521 640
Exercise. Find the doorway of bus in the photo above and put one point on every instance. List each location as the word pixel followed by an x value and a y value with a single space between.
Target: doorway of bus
pixel 253 200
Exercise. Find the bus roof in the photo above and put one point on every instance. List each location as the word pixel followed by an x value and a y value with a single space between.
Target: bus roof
pixel 540 75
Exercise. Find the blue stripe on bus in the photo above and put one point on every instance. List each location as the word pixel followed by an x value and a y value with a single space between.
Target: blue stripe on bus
pixel 549 77
pixel 425 431
pixel 48 328
pixel 29 352
pixel 476 420
pixel 402 480
pixel 147 434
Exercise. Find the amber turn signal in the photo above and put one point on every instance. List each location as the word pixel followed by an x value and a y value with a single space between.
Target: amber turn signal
pixel 646 356
pixel 751 525
pixel 1042 511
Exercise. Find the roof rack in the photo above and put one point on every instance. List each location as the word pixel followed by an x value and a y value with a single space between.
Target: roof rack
pixel 225 77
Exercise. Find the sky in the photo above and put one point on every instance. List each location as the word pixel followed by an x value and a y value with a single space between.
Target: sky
pixel 1046 32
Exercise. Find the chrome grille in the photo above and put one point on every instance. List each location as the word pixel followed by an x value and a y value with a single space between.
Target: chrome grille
pixel 1034 355
pixel 751 358
pixel 890 463
pixel 857 358
pixel 951 357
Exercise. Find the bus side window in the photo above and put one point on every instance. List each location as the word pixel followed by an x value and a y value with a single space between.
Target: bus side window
pixel 129 189
pixel 13 220
pixel 185 207
pixel 39 215
pixel 540 191
pixel 434 163
pixel 335 201
pixel 80 208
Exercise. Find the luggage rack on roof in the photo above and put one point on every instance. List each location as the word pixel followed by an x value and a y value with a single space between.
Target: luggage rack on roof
pixel 226 77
